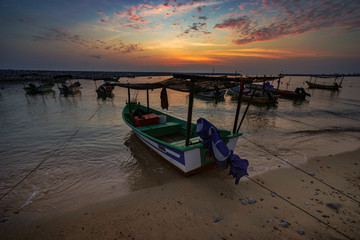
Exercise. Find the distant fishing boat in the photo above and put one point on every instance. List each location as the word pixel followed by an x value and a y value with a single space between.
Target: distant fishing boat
pixel 105 90
pixel 299 92
pixel 211 94
pixel 70 89
pixel 258 97
pixel 42 88
pixel 335 86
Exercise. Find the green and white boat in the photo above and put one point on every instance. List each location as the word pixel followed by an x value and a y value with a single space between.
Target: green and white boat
pixel 166 135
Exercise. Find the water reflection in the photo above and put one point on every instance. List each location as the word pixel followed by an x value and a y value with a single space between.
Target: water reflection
pixel 145 167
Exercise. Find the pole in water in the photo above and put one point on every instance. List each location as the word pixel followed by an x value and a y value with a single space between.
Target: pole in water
pixel 341 81
pixel 238 105
pixel 147 99
pixel 247 108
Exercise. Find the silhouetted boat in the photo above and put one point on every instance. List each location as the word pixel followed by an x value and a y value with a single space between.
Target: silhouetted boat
pixel 259 97
pixel 45 87
pixel 105 90
pixel 70 89
pixel 335 86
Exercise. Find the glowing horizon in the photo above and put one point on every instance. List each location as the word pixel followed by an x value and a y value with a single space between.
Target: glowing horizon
pixel 265 36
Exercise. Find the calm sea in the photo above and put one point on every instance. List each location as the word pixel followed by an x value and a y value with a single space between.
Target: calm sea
pixel 60 152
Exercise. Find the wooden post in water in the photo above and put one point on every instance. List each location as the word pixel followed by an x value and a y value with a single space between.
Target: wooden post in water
pixel 191 101
pixel 341 80
pixel 247 108
pixel 278 82
pixel 238 105
pixel 263 87
pixel 147 99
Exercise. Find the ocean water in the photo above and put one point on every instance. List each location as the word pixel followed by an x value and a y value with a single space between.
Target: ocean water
pixel 60 152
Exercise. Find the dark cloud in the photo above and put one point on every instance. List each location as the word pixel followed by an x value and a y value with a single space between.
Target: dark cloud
pixel 121 47
pixel 197 28
pixel 292 18
pixel 204 18
pixel 96 56
pixel 56 34
pixel 200 9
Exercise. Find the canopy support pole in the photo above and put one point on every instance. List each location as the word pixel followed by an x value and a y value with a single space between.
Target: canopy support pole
pixel 191 102
pixel 129 101
pixel 238 105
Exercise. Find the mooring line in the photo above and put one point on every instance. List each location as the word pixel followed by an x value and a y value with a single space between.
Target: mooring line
pixel 301 170
pixel 49 155
pixel 301 209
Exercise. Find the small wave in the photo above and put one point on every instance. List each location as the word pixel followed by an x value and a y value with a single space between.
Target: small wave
pixel 327 130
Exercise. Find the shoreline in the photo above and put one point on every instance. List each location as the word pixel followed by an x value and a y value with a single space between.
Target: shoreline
pixel 282 203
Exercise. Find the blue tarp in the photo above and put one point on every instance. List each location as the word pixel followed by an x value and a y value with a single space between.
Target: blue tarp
pixel 222 154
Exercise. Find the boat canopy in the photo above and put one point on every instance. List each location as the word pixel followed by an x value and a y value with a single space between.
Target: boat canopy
pixel 181 82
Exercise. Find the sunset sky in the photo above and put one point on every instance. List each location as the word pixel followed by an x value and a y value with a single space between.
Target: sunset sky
pixel 250 36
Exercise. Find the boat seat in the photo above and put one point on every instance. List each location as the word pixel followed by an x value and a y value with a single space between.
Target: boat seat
pixel 164 125
pixel 143 128
pixel 161 129
pixel 181 143
pixel 158 126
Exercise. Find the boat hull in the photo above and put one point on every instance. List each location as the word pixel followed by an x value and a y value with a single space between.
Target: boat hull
pixel 187 159
pixel 279 92
pixel 256 99
pixel 334 87
pixel 211 94
pixel 70 90
pixel 43 88
pixel 288 94
pixel 105 90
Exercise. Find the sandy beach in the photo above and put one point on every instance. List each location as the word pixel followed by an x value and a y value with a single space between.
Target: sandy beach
pixel 286 203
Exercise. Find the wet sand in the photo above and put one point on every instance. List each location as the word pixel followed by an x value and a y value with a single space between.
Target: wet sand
pixel 286 203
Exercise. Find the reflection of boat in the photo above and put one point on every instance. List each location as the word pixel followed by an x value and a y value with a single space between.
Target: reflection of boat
pixel 45 87
pixel 335 86
pixel 166 135
pixel 70 89
pixel 105 90
pixel 258 97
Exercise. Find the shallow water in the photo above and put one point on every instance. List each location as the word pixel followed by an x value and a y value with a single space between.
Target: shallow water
pixel 61 152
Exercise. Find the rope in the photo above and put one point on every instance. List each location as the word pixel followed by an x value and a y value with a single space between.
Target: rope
pixel 297 168
pixel 301 209
pixel 49 155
